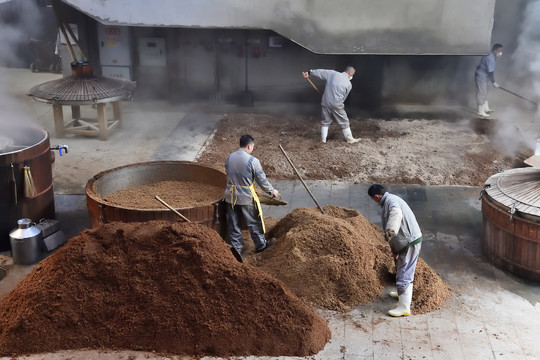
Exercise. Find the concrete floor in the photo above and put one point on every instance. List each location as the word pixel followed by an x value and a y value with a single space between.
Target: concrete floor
pixel 491 314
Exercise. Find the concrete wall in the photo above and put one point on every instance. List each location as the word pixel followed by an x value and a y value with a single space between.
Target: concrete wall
pixel 410 27
pixel 195 55
pixel 196 58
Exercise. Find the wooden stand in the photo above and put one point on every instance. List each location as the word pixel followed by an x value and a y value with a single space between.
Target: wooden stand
pixel 90 127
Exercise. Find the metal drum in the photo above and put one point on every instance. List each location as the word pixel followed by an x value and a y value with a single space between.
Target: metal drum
pixel 107 182
pixel 26 242
pixel 511 217
pixel 22 145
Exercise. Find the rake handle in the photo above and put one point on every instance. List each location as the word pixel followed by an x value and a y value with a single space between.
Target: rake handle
pixel 171 208
pixel 312 84
pixel 519 96
pixel 302 180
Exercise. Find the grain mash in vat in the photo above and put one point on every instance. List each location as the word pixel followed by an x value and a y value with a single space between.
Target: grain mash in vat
pixel 178 194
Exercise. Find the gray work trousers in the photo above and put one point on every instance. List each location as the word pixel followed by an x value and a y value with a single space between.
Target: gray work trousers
pixel 335 113
pixel 406 266
pixel 481 90
pixel 250 213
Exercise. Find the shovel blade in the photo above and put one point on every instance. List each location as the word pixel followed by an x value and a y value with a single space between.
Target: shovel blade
pixel 533 161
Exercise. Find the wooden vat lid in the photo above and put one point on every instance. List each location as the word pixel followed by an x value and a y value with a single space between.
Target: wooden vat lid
pixel 516 188
pixel 76 90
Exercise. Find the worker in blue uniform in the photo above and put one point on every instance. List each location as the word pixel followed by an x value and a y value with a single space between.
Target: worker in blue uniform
pixel 485 74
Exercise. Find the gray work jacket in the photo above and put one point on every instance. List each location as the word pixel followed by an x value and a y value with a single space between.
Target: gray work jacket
pixel 409 230
pixel 242 170
pixel 337 87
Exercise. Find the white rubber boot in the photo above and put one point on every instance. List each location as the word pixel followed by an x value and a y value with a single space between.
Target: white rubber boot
pixel 481 111
pixel 348 136
pixel 394 294
pixel 486 108
pixel 404 303
pixel 324 133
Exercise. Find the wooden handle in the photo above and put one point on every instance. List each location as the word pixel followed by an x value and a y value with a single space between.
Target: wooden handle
pixel 170 208
pixel 302 180
pixel 312 84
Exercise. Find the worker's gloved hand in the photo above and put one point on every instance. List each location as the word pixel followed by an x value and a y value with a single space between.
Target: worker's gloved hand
pixel 275 193
pixel 496 84
pixel 389 234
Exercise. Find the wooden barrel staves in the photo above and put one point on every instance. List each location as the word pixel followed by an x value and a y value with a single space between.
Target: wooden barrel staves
pixel 211 214
pixel 511 221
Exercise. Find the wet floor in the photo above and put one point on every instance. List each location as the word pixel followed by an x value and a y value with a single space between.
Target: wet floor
pixel 491 314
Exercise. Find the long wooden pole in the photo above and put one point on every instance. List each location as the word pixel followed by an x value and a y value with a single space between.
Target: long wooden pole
pixel 312 84
pixel 519 96
pixel 302 180
pixel 63 30
pixel 66 26
pixel 171 208
pixel 68 42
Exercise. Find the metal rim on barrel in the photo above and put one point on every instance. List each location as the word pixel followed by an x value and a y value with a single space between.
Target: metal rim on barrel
pixel 511 217
pixel 144 173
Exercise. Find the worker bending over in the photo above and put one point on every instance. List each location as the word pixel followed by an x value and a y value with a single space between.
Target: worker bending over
pixel 337 88
pixel 401 230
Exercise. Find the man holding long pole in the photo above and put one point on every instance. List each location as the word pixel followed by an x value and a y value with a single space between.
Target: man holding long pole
pixel 337 88
pixel 484 74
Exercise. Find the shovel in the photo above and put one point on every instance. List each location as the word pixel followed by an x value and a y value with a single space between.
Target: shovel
pixel 534 160
pixel 268 200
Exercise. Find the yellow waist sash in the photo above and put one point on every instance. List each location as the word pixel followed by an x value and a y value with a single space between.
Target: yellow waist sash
pixel 234 197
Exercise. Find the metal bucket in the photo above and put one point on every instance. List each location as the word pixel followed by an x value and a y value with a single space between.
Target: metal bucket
pixel 212 215
pixel 26 243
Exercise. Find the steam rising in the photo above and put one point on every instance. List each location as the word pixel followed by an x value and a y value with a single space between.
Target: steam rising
pixel 526 58
pixel 20 20
pixel 526 64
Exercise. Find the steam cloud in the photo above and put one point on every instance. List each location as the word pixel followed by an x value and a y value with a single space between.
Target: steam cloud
pixel 526 58
pixel 19 21
pixel 525 74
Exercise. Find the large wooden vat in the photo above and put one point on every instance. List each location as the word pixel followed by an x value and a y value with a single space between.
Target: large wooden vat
pixel 212 215
pixel 511 217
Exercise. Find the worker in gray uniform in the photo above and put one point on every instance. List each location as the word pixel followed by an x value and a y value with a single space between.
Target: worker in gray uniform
pixel 402 232
pixel 243 171
pixel 485 72
pixel 337 88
